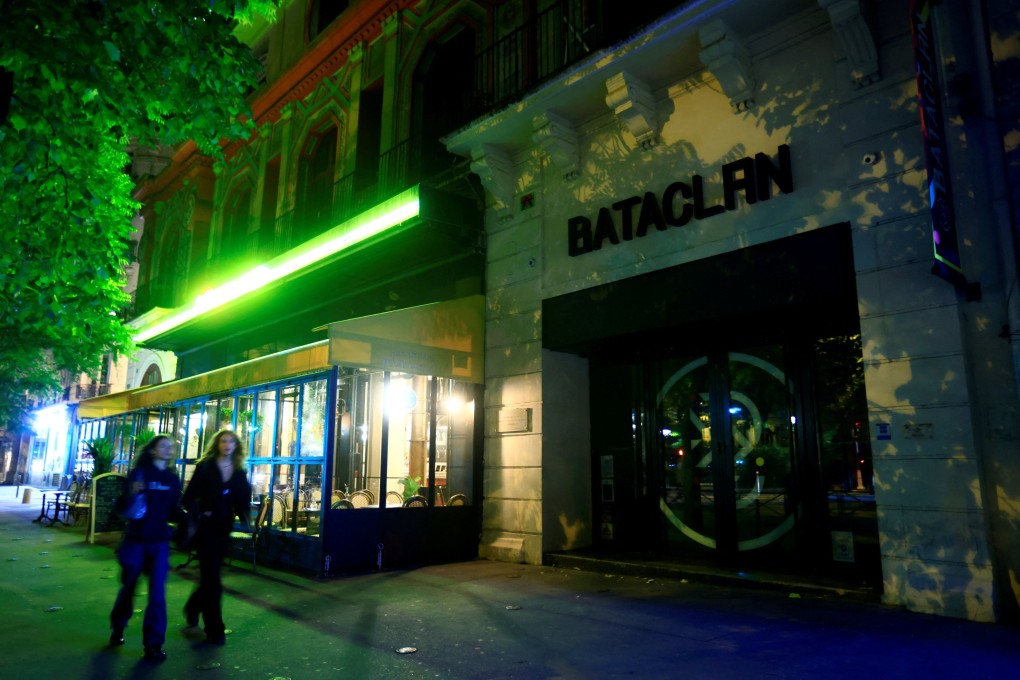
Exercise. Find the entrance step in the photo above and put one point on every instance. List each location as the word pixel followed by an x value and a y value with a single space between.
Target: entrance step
pixel 660 568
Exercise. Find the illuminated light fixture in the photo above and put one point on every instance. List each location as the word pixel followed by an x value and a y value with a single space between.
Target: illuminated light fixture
pixel 388 214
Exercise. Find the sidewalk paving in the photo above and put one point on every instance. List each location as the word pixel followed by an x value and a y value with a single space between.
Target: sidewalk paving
pixel 475 619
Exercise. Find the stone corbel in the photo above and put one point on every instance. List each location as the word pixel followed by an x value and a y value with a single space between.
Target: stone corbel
pixel 847 18
pixel 724 54
pixel 633 103
pixel 557 138
pixel 495 169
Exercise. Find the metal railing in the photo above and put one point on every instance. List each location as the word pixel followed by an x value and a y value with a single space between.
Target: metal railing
pixel 87 391
pixel 543 46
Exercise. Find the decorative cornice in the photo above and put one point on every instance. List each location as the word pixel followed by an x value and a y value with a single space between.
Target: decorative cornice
pixel 726 56
pixel 633 103
pixel 847 18
pixel 390 24
pixel 557 138
pixel 495 170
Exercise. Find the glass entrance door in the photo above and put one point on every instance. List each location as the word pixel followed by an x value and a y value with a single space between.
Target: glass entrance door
pixel 728 445
pixel 743 456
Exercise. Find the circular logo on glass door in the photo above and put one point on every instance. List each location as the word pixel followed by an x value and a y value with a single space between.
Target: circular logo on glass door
pixel 750 432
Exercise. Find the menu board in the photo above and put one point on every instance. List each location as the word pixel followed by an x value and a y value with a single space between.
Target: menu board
pixel 106 489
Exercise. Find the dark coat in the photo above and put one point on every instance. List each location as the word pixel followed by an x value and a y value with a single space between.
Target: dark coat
pixel 207 492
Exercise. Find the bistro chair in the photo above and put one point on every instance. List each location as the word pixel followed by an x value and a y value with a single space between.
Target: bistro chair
pixel 338 496
pixel 278 511
pixel 457 499
pixel 251 538
pixel 81 502
pixel 416 502
pixel 342 504
pixel 360 499
pixel 393 498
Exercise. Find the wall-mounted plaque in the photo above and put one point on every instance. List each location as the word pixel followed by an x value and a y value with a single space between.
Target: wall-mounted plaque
pixel 514 420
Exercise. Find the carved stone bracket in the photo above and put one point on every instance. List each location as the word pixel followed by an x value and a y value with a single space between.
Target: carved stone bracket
pixel 557 138
pixel 495 169
pixel 633 103
pixel 724 54
pixel 847 18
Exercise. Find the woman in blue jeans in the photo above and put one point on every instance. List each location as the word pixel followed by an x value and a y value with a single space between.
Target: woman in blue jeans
pixel 146 548
pixel 217 493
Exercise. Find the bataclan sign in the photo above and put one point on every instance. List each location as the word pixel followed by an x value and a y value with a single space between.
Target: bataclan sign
pixel 681 202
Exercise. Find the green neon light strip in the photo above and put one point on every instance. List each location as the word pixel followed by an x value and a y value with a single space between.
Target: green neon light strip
pixel 366 225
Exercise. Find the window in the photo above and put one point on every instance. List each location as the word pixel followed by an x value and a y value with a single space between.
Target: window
pixel 428 447
pixel 316 175
pixel 152 376
pixel 322 13
pixel 267 213
pixel 236 225
pixel 286 464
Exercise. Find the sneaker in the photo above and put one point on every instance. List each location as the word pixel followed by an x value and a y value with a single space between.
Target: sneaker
pixel 155 653
pixel 116 636
pixel 216 639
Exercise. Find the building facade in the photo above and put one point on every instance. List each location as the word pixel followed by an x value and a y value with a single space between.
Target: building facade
pixel 649 280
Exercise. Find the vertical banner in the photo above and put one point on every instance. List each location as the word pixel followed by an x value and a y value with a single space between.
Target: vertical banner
pixel 936 148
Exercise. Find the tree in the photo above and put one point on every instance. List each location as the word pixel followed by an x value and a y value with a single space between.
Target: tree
pixel 79 81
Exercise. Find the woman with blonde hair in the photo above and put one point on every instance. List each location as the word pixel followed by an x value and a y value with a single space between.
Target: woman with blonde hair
pixel 217 493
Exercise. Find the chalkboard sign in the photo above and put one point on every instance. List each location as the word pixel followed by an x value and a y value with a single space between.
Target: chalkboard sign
pixel 106 489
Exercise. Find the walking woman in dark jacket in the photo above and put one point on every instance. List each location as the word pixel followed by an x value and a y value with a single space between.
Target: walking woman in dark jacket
pixel 218 492
pixel 146 547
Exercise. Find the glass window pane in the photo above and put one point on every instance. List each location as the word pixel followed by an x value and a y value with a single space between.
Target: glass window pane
pixel 313 418
pixel 455 435
pixel 369 436
pixel 288 421
pixel 193 440
pixel 309 503
pixel 221 416
pixel 283 496
pixel 265 424
pixel 245 413
pixel 406 404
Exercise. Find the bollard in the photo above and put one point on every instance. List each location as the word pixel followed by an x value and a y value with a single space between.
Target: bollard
pixel 27 496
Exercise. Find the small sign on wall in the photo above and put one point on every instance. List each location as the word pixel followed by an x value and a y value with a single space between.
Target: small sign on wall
pixel 514 420
pixel 843 546
pixel 883 431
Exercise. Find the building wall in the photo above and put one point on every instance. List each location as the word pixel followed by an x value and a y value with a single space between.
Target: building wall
pixel 938 374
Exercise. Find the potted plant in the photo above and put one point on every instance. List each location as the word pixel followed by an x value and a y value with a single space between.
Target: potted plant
pixel 142 438
pixel 411 486
pixel 100 450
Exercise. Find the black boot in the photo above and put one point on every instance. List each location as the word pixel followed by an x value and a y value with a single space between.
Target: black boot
pixel 116 636
pixel 155 653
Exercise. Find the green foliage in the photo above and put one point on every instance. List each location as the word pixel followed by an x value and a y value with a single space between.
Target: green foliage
pixel 101 451
pixel 91 77
pixel 142 438
pixel 411 486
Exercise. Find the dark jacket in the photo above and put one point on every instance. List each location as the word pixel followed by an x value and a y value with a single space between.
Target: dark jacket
pixel 162 504
pixel 207 492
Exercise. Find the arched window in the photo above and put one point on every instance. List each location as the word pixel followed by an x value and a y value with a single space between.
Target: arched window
pixel 236 225
pixel 316 174
pixel 444 97
pixel 152 376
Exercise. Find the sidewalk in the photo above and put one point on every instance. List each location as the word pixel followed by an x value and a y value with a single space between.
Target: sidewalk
pixel 468 620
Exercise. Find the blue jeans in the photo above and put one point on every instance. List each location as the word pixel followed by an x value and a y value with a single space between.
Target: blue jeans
pixel 136 559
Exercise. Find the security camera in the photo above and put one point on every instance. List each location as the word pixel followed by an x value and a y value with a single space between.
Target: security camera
pixel 870 158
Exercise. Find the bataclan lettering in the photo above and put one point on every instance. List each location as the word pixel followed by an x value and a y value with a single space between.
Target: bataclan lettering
pixel 681 202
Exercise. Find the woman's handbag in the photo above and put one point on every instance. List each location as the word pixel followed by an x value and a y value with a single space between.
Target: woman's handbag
pixel 136 510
